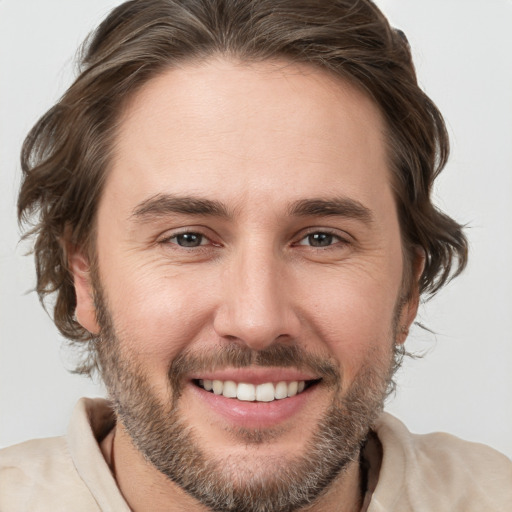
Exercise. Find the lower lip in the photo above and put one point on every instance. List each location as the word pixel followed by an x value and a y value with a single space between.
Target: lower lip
pixel 254 414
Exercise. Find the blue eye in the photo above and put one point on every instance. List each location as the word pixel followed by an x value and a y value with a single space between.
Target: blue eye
pixel 319 239
pixel 188 239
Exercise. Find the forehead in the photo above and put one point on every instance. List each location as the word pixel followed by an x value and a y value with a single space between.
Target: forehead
pixel 267 131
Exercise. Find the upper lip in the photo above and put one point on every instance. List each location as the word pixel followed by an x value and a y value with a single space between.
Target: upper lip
pixel 255 375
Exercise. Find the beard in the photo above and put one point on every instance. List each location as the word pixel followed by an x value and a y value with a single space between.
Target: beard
pixel 242 484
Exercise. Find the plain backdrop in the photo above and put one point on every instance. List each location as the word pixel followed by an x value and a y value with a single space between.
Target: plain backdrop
pixel 463 385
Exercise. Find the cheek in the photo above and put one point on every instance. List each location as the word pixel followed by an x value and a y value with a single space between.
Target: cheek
pixel 157 314
pixel 353 314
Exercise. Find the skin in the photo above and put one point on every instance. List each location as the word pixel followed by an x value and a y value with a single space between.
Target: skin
pixel 257 139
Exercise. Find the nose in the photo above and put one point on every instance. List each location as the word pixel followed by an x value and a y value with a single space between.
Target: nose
pixel 256 306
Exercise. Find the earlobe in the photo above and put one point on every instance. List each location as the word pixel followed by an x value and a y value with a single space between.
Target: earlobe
pixel 80 269
pixel 407 316
pixel 410 307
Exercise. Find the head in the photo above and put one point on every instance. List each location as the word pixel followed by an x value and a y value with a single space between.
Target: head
pixel 241 187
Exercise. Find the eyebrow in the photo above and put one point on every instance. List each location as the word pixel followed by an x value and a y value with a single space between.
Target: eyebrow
pixel 162 205
pixel 336 207
pixel 167 204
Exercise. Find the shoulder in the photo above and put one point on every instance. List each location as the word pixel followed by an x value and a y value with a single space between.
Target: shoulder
pixel 439 472
pixel 39 475
pixel 63 473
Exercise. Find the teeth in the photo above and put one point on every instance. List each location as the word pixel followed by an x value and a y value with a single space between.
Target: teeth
pixel 229 390
pixel 292 388
pixel 217 386
pixel 281 390
pixel 246 392
pixel 266 392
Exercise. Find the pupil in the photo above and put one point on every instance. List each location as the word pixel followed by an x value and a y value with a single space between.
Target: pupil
pixel 320 239
pixel 189 240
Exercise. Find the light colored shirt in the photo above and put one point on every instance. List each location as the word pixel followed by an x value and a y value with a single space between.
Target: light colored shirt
pixel 408 472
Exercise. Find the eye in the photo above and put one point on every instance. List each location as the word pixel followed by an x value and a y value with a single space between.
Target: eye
pixel 320 239
pixel 188 239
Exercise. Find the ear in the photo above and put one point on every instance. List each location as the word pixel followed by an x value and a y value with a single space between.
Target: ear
pixel 410 307
pixel 80 269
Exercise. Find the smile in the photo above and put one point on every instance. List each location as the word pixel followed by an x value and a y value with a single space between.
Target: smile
pixel 265 392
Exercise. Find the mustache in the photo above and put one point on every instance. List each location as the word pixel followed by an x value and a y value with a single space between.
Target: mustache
pixel 240 356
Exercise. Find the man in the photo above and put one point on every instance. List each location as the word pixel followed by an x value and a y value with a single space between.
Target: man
pixel 234 213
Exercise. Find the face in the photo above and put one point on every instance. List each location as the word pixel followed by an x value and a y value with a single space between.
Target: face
pixel 249 279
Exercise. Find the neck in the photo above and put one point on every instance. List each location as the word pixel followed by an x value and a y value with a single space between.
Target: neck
pixel 145 488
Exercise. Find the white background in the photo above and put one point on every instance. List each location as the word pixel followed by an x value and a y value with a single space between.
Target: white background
pixel 463 53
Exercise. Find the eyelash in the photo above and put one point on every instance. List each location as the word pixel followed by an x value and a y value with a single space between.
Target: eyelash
pixel 338 239
pixel 168 239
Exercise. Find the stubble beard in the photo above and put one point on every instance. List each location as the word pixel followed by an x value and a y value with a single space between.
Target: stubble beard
pixel 231 484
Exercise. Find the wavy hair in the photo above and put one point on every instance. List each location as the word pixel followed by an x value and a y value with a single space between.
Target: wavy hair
pixel 66 155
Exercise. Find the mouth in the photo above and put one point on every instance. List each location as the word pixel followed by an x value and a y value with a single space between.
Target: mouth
pixel 256 398
pixel 247 392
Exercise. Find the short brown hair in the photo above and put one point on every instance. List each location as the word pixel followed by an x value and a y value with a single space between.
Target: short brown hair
pixel 65 156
